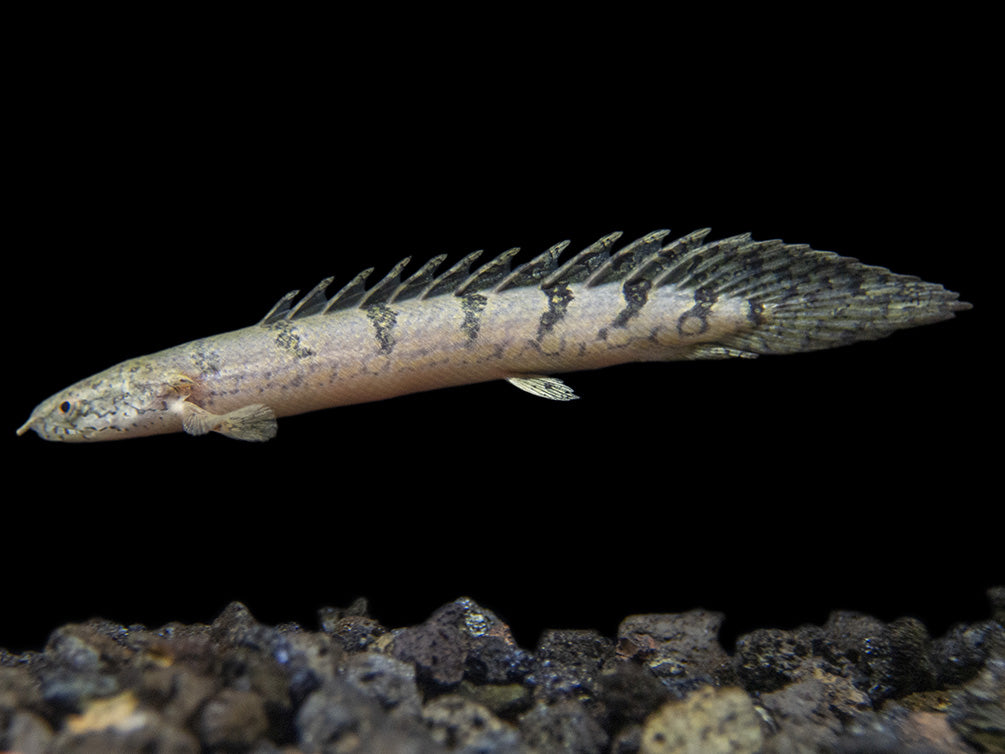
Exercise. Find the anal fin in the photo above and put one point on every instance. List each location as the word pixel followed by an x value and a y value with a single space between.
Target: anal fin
pixel 254 423
pixel 544 386
pixel 715 351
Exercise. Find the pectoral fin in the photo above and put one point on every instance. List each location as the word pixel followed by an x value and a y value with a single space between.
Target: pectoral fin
pixel 544 386
pixel 255 422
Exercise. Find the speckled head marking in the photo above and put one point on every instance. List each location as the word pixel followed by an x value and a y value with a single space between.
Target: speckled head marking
pixel 131 399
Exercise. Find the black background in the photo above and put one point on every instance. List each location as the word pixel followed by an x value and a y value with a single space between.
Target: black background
pixel 173 177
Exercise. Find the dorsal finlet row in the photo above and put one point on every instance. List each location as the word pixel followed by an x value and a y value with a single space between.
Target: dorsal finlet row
pixel 685 260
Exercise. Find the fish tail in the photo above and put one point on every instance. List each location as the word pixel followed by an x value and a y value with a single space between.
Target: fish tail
pixel 799 299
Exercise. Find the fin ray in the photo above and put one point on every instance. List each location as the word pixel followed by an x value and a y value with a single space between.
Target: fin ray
pixel 533 271
pixel 449 280
pixel 279 309
pixel 582 265
pixel 311 303
pixel 661 259
pixel 350 294
pixel 418 282
pixel 543 386
pixel 382 291
pixel 255 422
pixel 488 274
pixel 627 260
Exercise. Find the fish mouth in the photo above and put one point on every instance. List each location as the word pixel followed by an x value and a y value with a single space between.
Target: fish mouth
pixel 26 426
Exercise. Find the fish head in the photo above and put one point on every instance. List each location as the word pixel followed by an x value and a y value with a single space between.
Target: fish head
pixel 127 400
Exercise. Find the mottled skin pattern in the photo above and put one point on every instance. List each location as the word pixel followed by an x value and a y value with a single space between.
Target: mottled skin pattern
pixel 646 303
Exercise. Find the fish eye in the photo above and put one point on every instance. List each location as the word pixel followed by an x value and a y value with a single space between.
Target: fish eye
pixel 65 407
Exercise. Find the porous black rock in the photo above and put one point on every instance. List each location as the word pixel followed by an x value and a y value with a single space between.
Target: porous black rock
pixel 565 726
pixel 458 682
pixel 630 692
pixel 977 711
pixel 568 664
pixel 770 658
pixel 677 647
pixel 461 724
pixel 959 655
pixel 232 719
pixel 461 639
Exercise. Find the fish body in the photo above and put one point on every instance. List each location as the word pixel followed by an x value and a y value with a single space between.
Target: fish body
pixel 648 301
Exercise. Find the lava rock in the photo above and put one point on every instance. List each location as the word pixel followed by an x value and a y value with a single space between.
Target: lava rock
pixel 336 717
pixel 178 645
pixel 505 700
pixel 978 710
pixel 813 712
pixel 677 646
pixel 710 720
pixel 996 596
pixel 25 731
pixel 961 653
pixel 154 737
pixel 121 723
pixel 767 659
pixel 901 729
pixel 355 633
pixel 67 690
pixel 19 690
pixel 886 660
pixel 352 628
pixel 629 694
pixel 176 692
pixel 463 725
pixel 232 719
pixel 565 726
pixel 459 683
pixel 385 680
pixel 498 660
pixel 568 664
pixel 439 652
pixel 461 639
pixel 235 627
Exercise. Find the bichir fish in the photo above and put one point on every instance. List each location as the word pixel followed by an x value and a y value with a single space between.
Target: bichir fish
pixel 650 300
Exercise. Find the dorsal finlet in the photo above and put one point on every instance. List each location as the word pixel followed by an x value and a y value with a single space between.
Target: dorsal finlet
pixel 660 260
pixel 279 309
pixel 350 294
pixel 418 282
pixel 449 280
pixel 533 271
pixel 488 274
pixel 626 260
pixel 381 292
pixel 312 303
pixel 689 267
pixel 582 265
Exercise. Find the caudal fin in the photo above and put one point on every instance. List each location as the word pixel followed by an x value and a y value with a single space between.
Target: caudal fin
pixel 805 300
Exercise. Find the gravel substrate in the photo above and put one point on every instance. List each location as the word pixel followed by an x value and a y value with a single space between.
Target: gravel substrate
pixel 459 683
